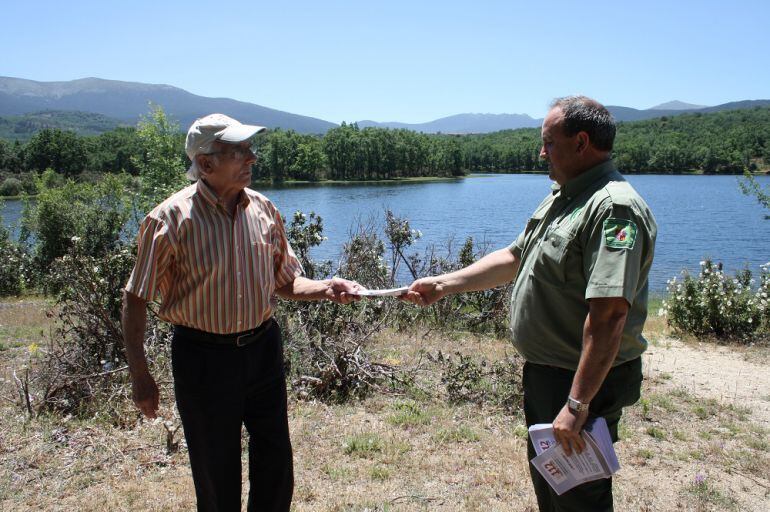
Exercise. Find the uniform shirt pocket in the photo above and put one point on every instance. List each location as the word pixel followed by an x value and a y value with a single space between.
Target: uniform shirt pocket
pixel 551 262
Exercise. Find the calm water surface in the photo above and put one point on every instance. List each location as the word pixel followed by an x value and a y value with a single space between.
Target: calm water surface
pixel 698 216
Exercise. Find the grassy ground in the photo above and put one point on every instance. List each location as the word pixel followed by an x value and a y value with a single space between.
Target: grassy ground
pixel 681 448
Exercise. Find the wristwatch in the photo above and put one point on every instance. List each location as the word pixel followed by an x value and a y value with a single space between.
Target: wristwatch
pixel 576 405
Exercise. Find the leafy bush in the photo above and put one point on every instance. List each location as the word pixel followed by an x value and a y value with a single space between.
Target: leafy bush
pixel 11 187
pixel 469 380
pixel 94 214
pixel 306 232
pixel 714 304
pixel 84 369
pixel 14 264
pixel 325 343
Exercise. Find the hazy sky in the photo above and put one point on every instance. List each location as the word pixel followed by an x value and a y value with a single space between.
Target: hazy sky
pixel 407 61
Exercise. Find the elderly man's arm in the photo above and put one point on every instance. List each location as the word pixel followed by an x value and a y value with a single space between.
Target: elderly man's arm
pixel 494 269
pixel 341 291
pixel 601 340
pixel 134 320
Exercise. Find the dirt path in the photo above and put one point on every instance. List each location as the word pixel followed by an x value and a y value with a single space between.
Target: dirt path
pixel 728 374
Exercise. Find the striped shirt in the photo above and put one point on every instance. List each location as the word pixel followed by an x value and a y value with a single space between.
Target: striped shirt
pixel 213 271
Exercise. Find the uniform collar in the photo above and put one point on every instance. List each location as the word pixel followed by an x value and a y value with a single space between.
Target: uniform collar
pixel 581 182
pixel 211 198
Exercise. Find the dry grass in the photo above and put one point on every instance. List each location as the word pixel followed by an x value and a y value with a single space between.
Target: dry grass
pixel 22 322
pixel 679 451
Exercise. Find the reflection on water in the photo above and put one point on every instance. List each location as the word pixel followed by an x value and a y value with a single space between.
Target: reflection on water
pixel 698 216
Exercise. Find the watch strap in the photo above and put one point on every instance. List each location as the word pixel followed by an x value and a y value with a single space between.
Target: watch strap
pixel 576 405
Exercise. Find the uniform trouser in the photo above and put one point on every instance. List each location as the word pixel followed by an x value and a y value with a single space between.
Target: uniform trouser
pixel 545 392
pixel 218 389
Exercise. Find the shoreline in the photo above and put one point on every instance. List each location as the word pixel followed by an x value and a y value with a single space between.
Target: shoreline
pixel 429 179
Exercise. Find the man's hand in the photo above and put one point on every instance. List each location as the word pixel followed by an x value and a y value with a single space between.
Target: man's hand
pixel 342 291
pixel 145 394
pixel 425 292
pixel 567 427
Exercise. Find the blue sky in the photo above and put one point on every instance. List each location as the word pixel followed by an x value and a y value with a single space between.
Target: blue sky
pixel 407 61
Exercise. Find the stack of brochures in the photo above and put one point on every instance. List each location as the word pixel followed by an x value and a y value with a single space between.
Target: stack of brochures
pixel 563 472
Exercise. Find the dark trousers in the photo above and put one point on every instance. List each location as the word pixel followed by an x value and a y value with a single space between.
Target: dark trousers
pixel 218 389
pixel 545 392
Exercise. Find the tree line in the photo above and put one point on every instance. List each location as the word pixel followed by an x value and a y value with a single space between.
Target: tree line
pixel 728 142
pixel 721 142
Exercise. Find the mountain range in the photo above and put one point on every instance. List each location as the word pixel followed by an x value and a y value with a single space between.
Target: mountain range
pixel 485 123
pixel 27 106
pixel 127 101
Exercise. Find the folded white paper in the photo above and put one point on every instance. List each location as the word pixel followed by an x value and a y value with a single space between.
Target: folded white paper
pixel 390 292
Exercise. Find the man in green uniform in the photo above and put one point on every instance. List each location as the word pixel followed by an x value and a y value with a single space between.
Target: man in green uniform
pixel 580 292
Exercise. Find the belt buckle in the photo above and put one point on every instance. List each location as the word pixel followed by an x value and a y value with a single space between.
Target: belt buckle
pixel 239 343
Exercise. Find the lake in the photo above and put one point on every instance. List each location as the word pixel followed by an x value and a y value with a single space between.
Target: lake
pixel 698 216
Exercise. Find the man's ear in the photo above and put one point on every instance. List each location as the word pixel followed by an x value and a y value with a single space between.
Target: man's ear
pixel 204 163
pixel 582 141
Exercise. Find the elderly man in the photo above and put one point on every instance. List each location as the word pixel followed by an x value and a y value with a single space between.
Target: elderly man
pixel 580 292
pixel 216 253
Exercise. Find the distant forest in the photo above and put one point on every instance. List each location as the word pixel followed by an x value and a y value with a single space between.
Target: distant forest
pixel 721 142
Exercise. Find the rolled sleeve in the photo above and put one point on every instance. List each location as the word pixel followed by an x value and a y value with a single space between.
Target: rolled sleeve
pixel 152 259
pixel 516 247
pixel 614 253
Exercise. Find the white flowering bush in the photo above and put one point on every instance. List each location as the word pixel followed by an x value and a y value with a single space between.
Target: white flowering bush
pixel 83 369
pixel 14 265
pixel 715 304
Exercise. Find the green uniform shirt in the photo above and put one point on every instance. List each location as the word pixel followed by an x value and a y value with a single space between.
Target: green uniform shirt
pixel 592 237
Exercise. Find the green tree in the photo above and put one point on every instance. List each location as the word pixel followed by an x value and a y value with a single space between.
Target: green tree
pixel 116 151
pixel 5 154
pixel 161 164
pixel 62 151
pixel 309 161
pixel 751 187
pixel 277 155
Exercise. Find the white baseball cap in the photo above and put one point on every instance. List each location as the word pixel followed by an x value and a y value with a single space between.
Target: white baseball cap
pixel 211 128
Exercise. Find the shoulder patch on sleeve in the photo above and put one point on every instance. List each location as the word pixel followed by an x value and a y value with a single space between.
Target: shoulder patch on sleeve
pixel 620 233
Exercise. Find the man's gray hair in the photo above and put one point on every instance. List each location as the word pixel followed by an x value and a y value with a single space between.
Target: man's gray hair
pixel 583 114
pixel 194 172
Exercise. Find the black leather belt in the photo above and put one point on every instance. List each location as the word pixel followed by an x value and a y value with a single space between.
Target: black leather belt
pixel 238 339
